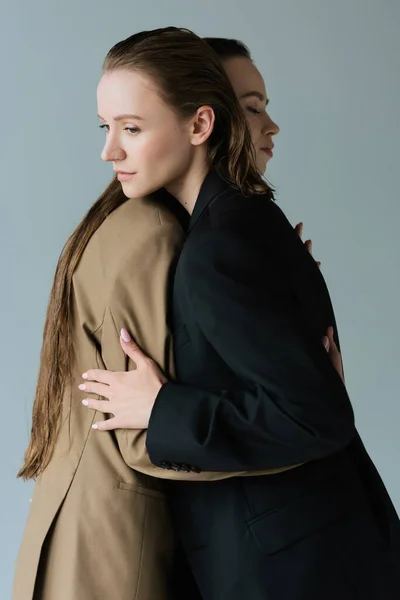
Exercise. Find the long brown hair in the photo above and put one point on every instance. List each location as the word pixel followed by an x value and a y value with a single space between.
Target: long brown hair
pixel 189 75
pixel 57 352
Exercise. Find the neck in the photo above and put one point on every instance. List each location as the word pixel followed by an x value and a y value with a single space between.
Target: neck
pixel 186 190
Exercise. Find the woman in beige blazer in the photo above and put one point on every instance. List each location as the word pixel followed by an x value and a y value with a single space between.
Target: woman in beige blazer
pixel 121 277
pixel 113 272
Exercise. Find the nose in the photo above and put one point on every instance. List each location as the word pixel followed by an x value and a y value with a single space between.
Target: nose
pixel 112 151
pixel 270 127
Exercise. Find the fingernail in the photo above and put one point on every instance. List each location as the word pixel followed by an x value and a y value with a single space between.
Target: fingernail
pixel 94 426
pixel 85 402
pixel 84 376
pixel 325 342
pixel 125 335
pixel 82 387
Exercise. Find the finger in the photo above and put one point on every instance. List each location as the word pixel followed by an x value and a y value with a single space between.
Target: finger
pixel 325 341
pixel 330 333
pixel 95 388
pixel 308 245
pixel 99 375
pixel 331 337
pixel 131 348
pixel 333 345
pixel 102 406
pixel 299 229
pixel 107 425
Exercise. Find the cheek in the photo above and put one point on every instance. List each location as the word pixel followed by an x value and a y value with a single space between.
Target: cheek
pixel 162 149
pixel 143 149
pixel 255 131
pixel 158 158
pixel 172 156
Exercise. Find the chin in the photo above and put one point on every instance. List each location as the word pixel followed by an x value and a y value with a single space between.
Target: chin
pixel 132 191
pixel 262 168
pixel 135 190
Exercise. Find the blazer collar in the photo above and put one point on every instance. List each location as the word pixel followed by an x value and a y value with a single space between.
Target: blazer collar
pixel 212 186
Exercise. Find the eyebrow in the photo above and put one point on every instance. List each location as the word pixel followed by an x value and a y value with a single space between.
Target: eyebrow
pixel 258 95
pixel 124 117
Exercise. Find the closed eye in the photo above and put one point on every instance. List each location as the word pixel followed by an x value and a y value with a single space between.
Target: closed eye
pixel 253 111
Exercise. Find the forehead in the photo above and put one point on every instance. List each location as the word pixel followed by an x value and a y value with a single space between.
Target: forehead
pixel 126 91
pixel 244 76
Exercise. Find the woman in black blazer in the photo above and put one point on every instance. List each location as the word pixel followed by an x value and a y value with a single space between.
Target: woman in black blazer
pixel 257 389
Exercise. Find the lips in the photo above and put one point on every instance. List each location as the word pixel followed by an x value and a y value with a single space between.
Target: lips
pixel 268 151
pixel 123 176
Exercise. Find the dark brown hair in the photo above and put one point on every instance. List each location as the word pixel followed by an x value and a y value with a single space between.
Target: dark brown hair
pixel 189 75
pixel 228 48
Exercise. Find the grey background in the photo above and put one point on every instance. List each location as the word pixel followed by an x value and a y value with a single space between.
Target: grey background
pixel 332 72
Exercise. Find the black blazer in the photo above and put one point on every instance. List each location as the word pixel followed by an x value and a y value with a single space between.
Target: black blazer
pixel 257 390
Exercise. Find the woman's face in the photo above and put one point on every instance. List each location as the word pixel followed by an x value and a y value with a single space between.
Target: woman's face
pixel 148 145
pixel 250 89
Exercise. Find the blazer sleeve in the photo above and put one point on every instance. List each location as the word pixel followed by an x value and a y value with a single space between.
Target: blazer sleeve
pixel 138 302
pixel 293 406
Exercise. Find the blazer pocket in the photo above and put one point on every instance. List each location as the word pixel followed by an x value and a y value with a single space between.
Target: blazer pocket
pixel 141 489
pixel 280 528
pixel 180 337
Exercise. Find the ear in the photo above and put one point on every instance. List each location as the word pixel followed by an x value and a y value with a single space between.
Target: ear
pixel 202 125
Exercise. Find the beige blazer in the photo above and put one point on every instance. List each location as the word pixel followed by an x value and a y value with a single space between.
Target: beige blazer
pixel 98 526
